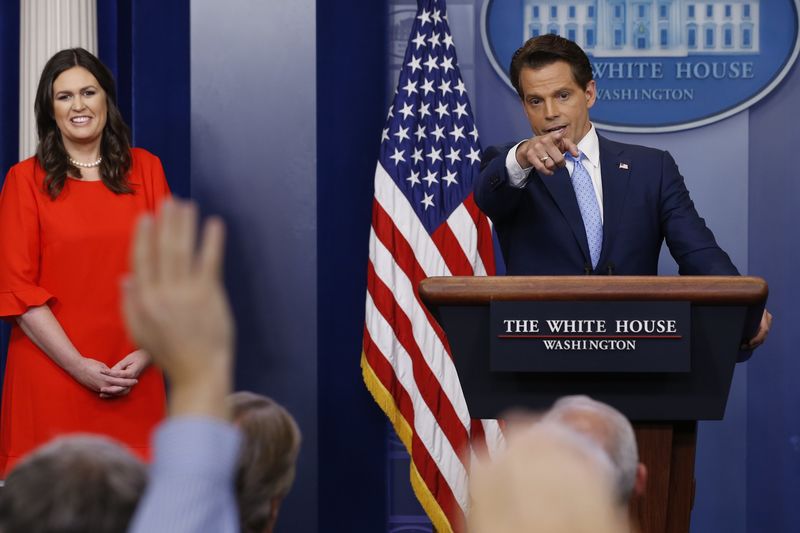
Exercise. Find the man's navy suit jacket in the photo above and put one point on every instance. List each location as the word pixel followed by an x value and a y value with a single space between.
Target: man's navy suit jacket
pixel 645 201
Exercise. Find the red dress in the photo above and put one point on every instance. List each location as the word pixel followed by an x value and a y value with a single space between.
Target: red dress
pixel 71 253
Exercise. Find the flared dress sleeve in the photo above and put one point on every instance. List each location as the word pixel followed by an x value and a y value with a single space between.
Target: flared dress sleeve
pixel 156 188
pixel 19 245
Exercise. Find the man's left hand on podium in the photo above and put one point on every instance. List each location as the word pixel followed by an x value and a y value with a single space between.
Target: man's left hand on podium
pixel 761 335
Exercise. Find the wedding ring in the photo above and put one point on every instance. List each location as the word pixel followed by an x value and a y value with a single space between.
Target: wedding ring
pixel 545 158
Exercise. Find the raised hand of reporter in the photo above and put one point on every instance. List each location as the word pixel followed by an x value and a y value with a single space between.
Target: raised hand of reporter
pixel 176 309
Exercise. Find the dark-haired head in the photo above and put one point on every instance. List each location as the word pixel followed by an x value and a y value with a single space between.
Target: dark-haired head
pixel 115 140
pixel 545 50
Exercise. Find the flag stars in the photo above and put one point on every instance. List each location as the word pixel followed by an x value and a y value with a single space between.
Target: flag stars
pixel 402 133
pixel 447 41
pixel 424 110
pixel 458 133
pixel 430 178
pixel 433 155
pixel 424 17
pixel 430 64
pixel 407 110
pixel 411 87
pixel 447 64
pixel 474 133
pixel 426 140
pixel 454 156
pixel 398 156
pixel 415 64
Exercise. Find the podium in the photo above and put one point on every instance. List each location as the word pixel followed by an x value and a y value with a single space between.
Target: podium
pixel 663 403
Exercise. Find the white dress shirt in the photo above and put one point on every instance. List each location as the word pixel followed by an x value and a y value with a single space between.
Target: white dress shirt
pixel 589 147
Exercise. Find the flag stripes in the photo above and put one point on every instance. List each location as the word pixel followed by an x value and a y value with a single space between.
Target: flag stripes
pixel 425 223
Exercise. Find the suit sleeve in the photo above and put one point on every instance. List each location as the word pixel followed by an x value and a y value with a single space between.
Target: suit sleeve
pixel 690 242
pixel 19 247
pixel 494 194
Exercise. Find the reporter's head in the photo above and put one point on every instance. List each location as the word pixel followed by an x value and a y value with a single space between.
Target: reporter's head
pixel 612 432
pixel 550 479
pixel 78 483
pixel 266 467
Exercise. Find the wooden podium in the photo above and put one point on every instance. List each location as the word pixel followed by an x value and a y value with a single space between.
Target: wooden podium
pixel 663 406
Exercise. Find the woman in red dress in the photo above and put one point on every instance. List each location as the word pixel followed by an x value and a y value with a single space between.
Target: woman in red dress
pixel 66 222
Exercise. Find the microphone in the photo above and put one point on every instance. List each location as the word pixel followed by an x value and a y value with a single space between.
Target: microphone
pixel 610 269
pixel 587 268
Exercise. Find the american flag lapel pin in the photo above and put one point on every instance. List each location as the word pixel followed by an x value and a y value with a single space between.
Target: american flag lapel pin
pixel 623 166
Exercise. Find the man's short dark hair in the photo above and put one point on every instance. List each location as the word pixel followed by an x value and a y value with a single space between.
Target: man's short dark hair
pixel 79 483
pixel 545 50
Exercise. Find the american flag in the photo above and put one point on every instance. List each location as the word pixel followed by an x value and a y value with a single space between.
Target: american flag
pixel 425 223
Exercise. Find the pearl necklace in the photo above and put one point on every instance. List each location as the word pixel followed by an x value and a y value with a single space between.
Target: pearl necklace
pixel 86 165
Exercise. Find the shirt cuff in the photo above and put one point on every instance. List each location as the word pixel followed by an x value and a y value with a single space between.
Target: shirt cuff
pixel 517 176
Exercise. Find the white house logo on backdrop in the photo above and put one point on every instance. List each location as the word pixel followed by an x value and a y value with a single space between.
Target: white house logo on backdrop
pixel 660 65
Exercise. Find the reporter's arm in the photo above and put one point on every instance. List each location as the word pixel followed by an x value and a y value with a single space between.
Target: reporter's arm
pixel 191 485
pixel 176 308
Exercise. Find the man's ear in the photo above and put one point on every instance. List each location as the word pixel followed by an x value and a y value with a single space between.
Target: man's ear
pixel 274 506
pixel 641 480
pixel 591 93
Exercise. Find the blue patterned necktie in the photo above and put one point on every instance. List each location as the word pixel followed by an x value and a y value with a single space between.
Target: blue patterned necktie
pixel 590 210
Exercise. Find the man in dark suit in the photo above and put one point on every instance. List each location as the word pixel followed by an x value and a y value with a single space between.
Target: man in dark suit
pixel 567 201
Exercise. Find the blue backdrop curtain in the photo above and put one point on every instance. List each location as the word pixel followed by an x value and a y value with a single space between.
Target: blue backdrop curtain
pixel 9 104
pixel 146 44
pixel 351 110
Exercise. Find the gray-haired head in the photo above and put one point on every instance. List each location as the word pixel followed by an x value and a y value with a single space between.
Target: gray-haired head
pixel 549 478
pixel 78 483
pixel 607 427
